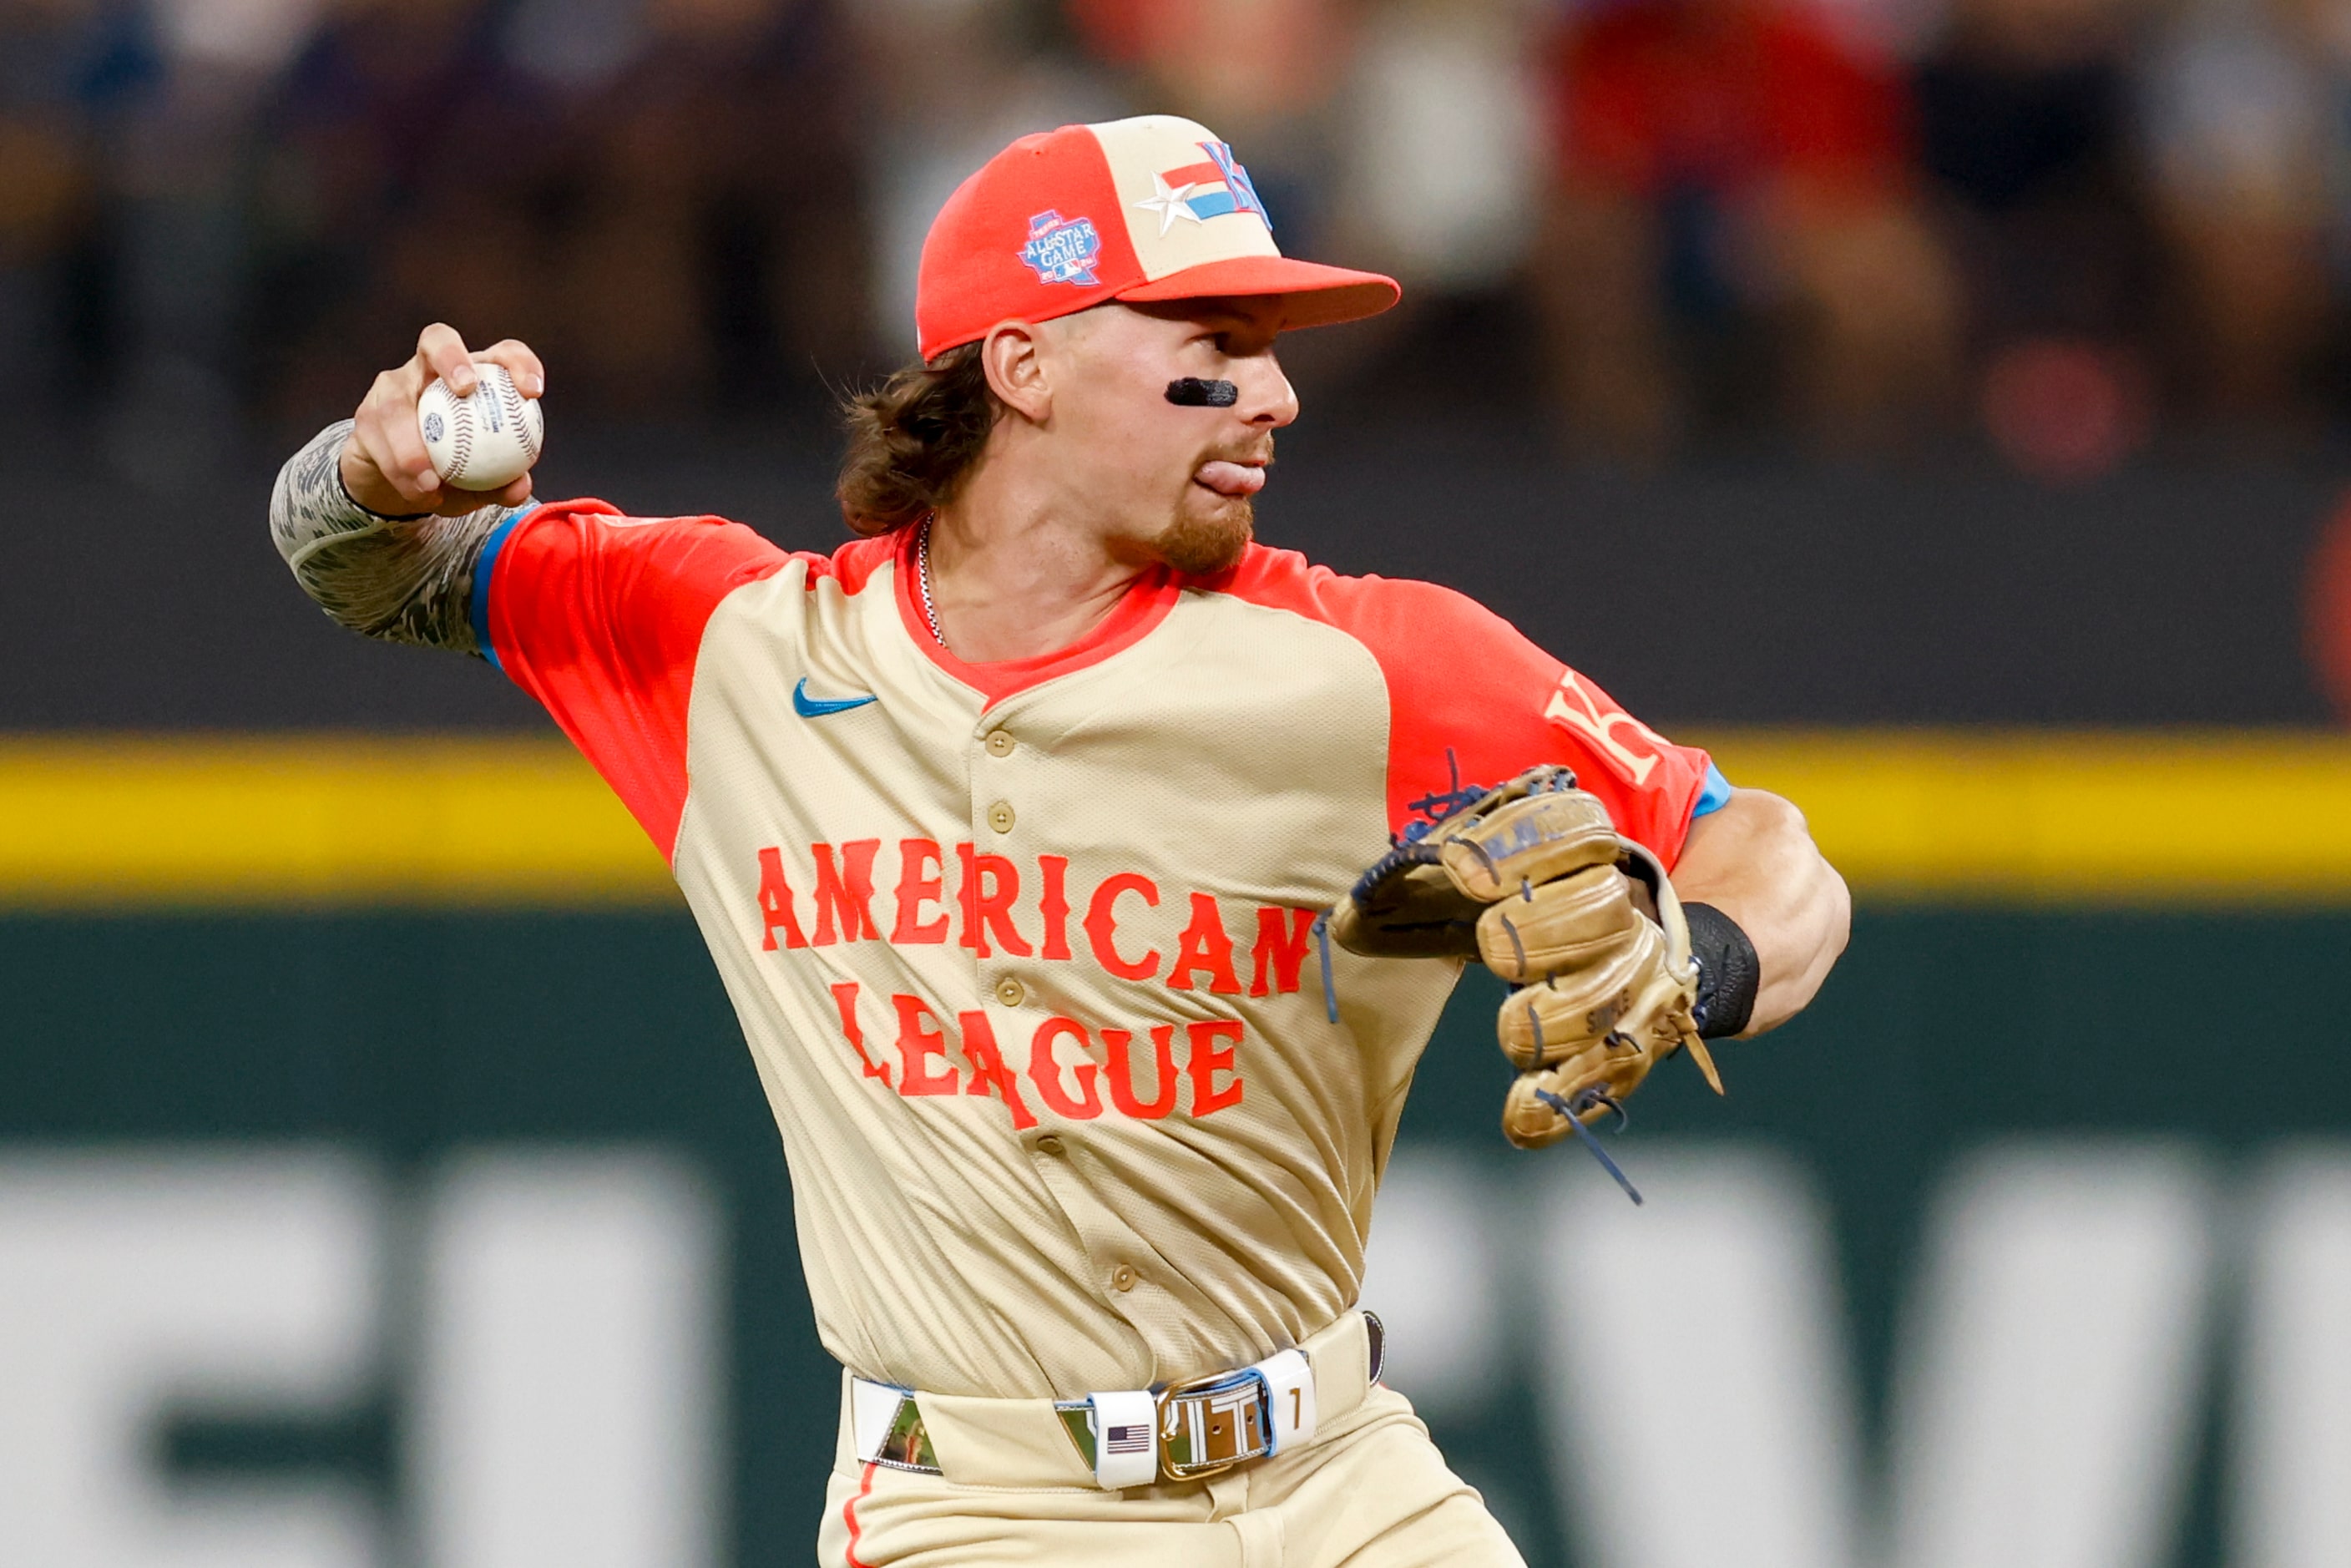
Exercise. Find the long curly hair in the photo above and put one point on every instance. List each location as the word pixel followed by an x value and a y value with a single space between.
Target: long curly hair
pixel 914 439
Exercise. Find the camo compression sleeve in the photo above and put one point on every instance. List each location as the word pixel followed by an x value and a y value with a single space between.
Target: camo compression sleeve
pixel 403 580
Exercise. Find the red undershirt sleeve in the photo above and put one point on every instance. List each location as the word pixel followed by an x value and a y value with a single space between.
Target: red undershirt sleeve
pixel 600 618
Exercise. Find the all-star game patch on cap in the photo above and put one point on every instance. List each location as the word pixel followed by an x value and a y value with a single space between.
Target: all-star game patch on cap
pixel 1150 208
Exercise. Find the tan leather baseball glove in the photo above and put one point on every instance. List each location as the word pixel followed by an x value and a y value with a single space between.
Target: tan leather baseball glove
pixel 1531 880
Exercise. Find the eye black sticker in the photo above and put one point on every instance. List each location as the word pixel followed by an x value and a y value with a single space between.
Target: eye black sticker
pixel 1193 392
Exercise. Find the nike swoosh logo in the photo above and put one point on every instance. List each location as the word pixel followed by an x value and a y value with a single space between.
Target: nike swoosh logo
pixel 808 707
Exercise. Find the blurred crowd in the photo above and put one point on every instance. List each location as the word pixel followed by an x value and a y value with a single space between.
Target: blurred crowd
pixel 1647 228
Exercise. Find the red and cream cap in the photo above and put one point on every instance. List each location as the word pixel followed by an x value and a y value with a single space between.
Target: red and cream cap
pixel 1150 208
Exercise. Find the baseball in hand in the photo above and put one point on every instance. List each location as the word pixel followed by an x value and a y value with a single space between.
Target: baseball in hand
pixel 481 442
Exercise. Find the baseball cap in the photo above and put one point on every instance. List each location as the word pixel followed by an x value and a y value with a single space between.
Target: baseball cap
pixel 1150 208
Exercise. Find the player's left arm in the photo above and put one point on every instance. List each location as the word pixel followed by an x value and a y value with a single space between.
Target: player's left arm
pixel 1754 860
pixel 1474 702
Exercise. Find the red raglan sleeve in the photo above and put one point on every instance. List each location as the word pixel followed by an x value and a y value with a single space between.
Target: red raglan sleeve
pixel 1472 698
pixel 600 618
pixel 1472 703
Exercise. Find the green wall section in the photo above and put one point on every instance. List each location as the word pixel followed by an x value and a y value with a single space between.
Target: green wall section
pixel 406 1035
pixel 1940 1031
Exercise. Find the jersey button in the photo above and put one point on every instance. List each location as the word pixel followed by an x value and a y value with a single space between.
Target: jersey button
pixel 1049 1145
pixel 1122 1278
pixel 999 817
pixel 1000 743
pixel 1011 992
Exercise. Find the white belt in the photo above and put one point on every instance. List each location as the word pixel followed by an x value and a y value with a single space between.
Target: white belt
pixel 1186 1430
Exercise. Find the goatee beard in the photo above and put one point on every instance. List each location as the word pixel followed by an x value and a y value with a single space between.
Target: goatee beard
pixel 1202 547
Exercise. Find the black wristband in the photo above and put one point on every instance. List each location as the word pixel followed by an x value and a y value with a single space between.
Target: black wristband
pixel 1727 972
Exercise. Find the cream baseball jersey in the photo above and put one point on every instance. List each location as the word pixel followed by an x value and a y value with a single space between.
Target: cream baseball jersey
pixel 1025 952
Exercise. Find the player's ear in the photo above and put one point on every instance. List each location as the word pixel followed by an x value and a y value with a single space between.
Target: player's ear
pixel 1012 357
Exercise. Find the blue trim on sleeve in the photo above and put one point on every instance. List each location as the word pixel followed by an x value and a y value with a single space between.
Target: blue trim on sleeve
pixel 485 566
pixel 1715 796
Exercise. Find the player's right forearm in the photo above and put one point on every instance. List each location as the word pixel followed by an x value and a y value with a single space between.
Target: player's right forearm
pixel 371 531
pixel 403 580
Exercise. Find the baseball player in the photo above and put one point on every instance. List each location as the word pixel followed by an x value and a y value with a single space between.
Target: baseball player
pixel 1013 827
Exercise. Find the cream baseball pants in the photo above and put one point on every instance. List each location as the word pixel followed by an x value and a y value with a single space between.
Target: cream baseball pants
pixel 1371 1492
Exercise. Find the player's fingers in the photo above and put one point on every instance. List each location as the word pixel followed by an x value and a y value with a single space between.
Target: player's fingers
pixel 405 444
pixel 529 375
pixel 515 493
pixel 368 446
pixel 404 383
pixel 445 354
pixel 390 418
pixel 378 469
pixel 454 503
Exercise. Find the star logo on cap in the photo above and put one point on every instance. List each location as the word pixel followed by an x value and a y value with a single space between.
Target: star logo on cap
pixel 1170 201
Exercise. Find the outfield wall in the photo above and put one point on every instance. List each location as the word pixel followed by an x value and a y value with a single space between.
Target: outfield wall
pixel 383 1181
pixel 1754 589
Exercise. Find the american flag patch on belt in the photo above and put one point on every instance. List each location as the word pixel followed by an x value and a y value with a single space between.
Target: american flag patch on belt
pixel 1130 1439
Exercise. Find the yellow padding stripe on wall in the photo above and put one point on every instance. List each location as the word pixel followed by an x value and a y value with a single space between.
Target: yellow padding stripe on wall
pixel 314 821
pixel 2039 817
pixel 2018 817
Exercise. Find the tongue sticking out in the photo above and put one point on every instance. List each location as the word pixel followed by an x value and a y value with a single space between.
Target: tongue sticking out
pixel 1231 478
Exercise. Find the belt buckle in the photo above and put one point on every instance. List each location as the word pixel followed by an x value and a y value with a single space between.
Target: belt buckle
pixel 1210 1424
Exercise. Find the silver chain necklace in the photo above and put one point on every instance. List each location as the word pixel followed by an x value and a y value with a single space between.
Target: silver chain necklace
pixel 923 581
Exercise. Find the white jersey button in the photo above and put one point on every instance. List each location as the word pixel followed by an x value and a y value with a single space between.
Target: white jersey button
pixel 1049 1145
pixel 1011 992
pixel 1122 1278
pixel 999 817
pixel 1000 743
